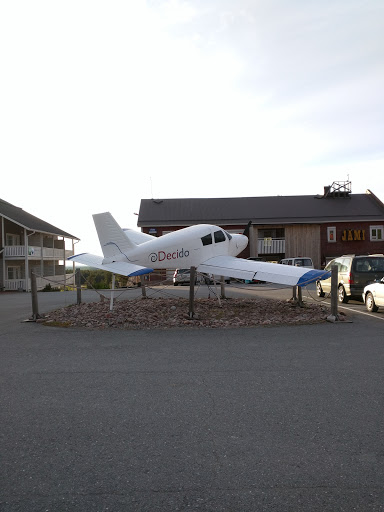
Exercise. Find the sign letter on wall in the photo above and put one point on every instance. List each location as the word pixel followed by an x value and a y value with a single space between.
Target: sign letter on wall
pixel 353 235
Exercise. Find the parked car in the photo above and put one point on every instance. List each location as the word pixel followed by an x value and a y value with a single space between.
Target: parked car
pixel 256 258
pixel 210 279
pixel 182 276
pixel 373 295
pixel 298 262
pixel 354 274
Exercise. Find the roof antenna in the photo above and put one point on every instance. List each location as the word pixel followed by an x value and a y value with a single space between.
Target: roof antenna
pixel 157 201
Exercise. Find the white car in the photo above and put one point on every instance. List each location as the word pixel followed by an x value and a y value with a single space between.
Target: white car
pixel 373 295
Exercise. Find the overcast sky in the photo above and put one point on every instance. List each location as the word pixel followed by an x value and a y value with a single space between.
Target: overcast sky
pixel 105 103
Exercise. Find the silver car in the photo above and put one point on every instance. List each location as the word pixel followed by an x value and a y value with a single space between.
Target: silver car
pixel 354 273
pixel 182 276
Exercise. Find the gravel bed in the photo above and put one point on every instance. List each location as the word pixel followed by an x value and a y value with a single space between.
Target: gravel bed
pixel 168 313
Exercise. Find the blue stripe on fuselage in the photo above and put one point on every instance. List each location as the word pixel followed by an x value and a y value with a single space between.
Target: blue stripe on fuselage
pixel 141 272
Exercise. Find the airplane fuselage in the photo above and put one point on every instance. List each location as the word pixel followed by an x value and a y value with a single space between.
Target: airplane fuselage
pixel 184 248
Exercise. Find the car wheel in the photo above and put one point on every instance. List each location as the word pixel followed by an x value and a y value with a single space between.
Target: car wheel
pixel 342 295
pixel 319 290
pixel 370 303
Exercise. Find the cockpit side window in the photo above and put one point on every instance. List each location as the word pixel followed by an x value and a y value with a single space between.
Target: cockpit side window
pixel 228 235
pixel 207 239
pixel 219 236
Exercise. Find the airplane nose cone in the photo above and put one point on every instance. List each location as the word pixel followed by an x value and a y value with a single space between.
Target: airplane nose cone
pixel 241 242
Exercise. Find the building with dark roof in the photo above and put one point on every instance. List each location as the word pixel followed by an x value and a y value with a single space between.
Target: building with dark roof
pixel 322 226
pixel 30 244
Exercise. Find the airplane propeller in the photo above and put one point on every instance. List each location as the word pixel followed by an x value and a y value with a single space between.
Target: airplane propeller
pixel 246 230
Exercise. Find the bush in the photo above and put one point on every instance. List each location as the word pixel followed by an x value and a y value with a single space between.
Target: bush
pixel 49 288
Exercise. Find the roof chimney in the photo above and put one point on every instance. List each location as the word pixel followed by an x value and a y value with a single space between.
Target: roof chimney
pixel 326 190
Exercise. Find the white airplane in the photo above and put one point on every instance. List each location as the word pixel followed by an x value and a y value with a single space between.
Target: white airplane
pixel 209 248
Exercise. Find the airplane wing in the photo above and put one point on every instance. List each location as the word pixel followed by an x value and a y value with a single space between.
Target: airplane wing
pixel 261 270
pixel 118 267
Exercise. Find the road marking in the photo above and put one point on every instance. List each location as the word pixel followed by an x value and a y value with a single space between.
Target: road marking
pixel 349 309
pixel 362 312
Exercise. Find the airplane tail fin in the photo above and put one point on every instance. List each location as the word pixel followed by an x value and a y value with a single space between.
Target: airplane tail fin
pixel 112 238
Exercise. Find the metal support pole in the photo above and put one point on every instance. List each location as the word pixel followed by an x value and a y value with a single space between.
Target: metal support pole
pixel 143 288
pixel 112 291
pixel 35 304
pixel 217 293
pixel 78 285
pixel 192 292
pixel 334 302
pixel 222 287
pixel 297 296
pixel 300 296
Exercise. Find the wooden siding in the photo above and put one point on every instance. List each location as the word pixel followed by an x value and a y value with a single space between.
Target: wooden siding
pixel 303 240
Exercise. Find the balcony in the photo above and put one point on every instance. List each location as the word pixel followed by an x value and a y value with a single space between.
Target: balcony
pixel 15 252
pixel 271 246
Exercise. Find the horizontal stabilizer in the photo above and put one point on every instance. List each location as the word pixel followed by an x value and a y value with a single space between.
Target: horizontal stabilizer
pixel 262 271
pixel 118 267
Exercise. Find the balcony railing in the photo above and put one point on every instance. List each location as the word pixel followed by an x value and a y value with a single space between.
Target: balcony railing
pixel 15 284
pixel 18 251
pixel 271 246
pixel 41 282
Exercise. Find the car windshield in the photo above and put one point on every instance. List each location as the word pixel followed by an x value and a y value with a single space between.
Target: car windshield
pixel 331 263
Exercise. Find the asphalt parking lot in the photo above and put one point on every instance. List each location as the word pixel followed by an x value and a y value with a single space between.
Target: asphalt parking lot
pixel 257 419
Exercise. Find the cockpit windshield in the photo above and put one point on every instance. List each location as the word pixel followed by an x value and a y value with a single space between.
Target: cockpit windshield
pixel 219 236
pixel 207 239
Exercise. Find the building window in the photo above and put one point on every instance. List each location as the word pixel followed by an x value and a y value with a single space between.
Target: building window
pixel 331 234
pixel 14 273
pixel 11 239
pixel 376 233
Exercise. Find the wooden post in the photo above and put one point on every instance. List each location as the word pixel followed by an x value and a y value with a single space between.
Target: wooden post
pixel 143 288
pixel 26 261
pixel 35 304
pixel 333 317
pixel 294 295
pixel 192 292
pixel 78 285
pixel 112 291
